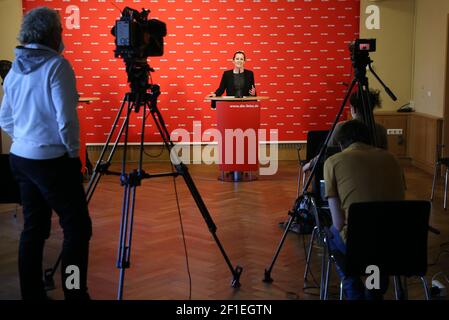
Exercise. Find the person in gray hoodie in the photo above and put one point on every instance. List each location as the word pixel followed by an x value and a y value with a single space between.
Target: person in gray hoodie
pixel 39 112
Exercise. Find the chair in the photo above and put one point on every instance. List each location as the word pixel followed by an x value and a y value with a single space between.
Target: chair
pixel 319 234
pixel 9 189
pixel 440 161
pixel 315 140
pixel 391 235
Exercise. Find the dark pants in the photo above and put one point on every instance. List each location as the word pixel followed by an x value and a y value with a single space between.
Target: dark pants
pixel 45 185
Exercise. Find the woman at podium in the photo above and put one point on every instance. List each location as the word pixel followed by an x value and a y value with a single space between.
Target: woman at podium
pixel 237 82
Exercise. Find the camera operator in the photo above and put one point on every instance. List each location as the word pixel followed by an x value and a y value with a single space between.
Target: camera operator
pixel 359 173
pixel 39 112
pixel 356 106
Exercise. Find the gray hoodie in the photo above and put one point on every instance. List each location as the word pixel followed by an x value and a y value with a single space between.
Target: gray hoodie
pixel 39 104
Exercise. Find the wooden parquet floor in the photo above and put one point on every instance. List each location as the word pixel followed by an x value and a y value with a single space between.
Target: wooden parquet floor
pixel 246 215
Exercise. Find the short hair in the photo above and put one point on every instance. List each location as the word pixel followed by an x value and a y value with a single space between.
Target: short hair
pixel 352 131
pixel 356 103
pixel 241 52
pixel 40 25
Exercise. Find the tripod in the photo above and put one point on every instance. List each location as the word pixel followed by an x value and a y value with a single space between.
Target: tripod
pixel 360 61
pixel 144 96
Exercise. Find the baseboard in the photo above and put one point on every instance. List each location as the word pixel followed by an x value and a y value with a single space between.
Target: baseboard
pixel 156 153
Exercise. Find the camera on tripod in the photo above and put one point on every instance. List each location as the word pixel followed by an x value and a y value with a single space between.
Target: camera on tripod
pixel 137 37
pixel 364 45
pixel 360 49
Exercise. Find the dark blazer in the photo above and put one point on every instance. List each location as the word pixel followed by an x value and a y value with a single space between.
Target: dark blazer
pixel 227 83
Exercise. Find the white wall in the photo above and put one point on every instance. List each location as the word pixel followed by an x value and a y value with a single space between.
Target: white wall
pixel 430 56
pixel 393 59
pixel 10 18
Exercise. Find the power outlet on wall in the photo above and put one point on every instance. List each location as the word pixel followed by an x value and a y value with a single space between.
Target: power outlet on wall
pixel 394 131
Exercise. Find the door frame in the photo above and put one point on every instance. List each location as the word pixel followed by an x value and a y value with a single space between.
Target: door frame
pixel 445 138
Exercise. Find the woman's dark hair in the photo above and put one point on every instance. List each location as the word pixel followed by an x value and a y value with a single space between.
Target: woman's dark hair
pixel 352 131
pixel 241 52
pixel 356 103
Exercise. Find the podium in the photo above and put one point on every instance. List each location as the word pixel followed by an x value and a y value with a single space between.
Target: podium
pixel 238 121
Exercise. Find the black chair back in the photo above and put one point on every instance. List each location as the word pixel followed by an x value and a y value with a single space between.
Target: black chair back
pixel 315 140
pixel 390 235
pixel 9 189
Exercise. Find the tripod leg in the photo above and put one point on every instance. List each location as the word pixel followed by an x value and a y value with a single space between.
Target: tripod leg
pixel 126 232
pixel 183 171
pixel 122 261
pixel 129 199
pixel 129 182
pixel 309 253
pixel 267 277
pixel 100 166
pixel 367 109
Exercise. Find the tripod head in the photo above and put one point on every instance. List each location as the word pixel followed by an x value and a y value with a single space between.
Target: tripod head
pixel 360 49
pixel 138 72
pixel 142 90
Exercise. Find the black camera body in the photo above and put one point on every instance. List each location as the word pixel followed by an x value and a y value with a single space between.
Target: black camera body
pixel 364 45
pixel 137 37
pixel 360 49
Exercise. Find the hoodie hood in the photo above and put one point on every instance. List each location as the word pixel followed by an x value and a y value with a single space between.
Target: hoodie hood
pixel 31 57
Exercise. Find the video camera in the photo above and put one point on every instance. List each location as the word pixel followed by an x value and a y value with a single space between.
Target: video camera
pixel 137 37
pixel 364 45
pixel 360 49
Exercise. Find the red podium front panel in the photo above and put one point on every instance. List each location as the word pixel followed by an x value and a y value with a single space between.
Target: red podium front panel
pixel 238 123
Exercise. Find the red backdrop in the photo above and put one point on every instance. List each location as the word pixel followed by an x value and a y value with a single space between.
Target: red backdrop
pixel 296 48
